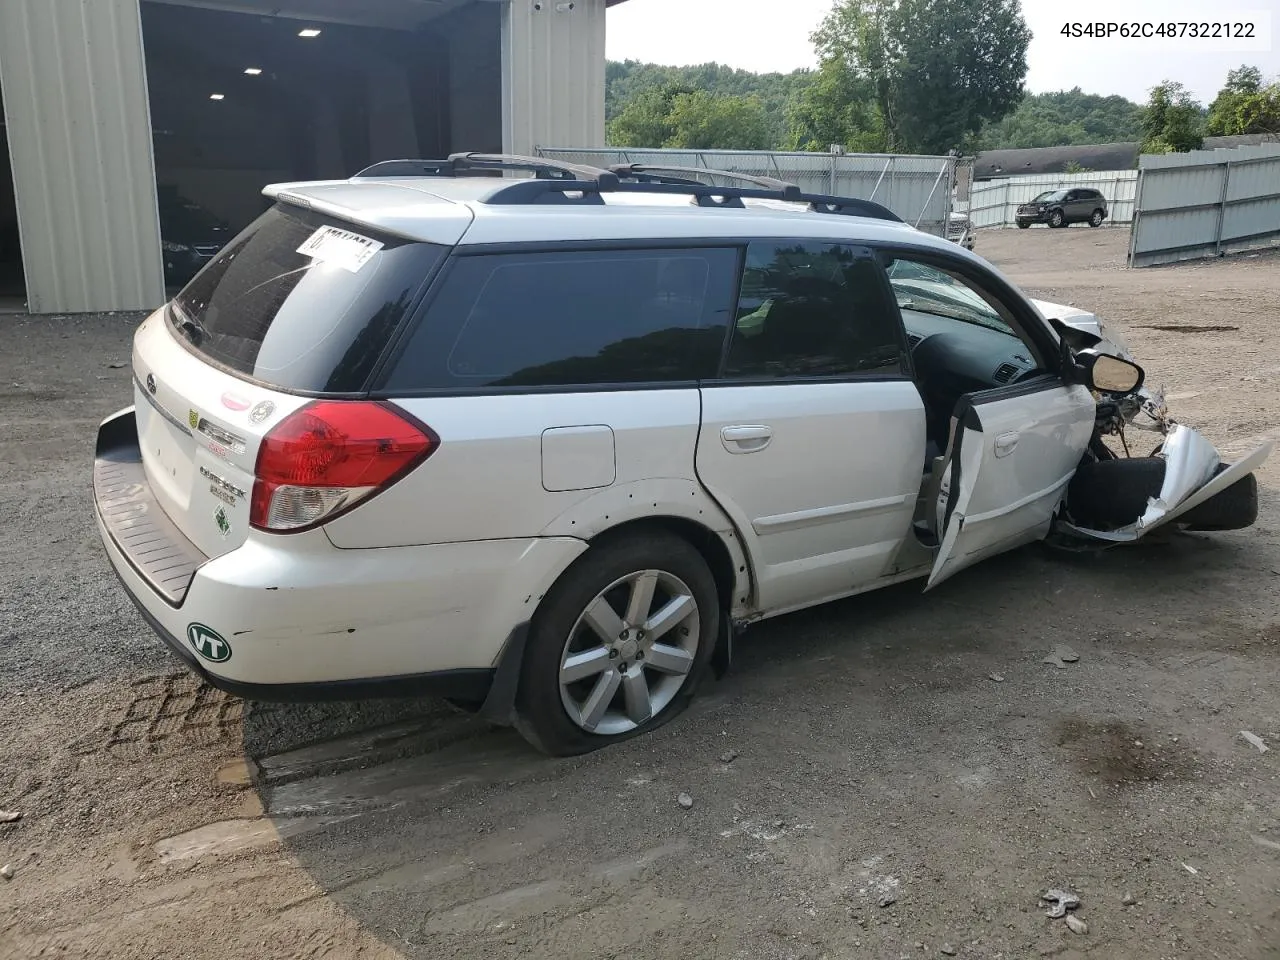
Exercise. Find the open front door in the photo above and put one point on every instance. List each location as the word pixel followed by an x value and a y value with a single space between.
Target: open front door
pixel 1012 453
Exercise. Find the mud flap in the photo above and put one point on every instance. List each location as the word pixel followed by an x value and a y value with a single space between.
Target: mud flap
pixel 1189 480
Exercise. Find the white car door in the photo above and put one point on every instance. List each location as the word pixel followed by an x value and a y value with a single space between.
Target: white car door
pixel 1012 453
pixel 813 436
pixel 1019 432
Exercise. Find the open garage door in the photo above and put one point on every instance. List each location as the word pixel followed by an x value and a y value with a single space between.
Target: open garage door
pixel 12 286
pixel 242 96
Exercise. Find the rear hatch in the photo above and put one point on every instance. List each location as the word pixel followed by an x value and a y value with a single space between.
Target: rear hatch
pixel 300 305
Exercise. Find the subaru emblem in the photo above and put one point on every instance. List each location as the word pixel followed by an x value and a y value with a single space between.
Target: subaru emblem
pixel 151 383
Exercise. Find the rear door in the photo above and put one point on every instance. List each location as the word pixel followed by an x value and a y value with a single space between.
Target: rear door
pixel 551 376
pixel 299 304
pixel 813 435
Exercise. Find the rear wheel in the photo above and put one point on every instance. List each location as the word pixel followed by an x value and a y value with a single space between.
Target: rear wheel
pixel 1056 219
pixel 1096 218
pixel 619 645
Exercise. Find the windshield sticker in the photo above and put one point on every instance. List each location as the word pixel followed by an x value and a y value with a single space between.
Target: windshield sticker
pixel 342 248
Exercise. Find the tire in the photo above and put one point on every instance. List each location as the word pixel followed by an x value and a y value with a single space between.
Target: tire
pixel 1096 218
pixel 1056 219
pixel 1024 226
pixel 607 574
pixel 1231 509
pixel 1106 494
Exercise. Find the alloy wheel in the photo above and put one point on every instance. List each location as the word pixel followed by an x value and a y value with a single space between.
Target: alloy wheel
pixel 630 652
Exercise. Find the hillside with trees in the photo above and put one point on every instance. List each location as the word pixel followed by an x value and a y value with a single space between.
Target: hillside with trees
pixel 915 76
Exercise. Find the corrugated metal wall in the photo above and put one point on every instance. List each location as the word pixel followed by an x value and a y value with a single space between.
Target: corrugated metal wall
pixel 918 189
pixel 79 130
pixel 994 203
pixel 553 73
pixel 1206 203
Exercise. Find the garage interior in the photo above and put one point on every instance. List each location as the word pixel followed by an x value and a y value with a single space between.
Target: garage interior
pixel 248 92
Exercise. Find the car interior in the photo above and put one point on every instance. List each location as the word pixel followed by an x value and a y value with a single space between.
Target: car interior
pixel 962 342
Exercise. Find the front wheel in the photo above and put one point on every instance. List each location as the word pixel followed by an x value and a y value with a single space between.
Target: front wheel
pixel 1056 219
pixel 1023 226
pixel 1095 220
pixel 619 645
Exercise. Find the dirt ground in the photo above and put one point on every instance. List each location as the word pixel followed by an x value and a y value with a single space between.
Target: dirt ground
pixel 863 784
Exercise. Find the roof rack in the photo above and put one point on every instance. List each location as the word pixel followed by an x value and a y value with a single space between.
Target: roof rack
pixel 529 192
pixel 556 182
pixel 649 173
pixel 464 164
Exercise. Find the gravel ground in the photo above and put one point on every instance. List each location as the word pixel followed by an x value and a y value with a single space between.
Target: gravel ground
pixel 862 784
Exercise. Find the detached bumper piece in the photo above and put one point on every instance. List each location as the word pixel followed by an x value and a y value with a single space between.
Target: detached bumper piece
pixel 149 540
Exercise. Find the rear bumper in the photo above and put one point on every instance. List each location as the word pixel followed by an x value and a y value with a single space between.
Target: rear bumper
pixel 291 617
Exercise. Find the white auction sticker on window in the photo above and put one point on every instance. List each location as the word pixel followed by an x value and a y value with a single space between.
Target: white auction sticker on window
pixel 342 248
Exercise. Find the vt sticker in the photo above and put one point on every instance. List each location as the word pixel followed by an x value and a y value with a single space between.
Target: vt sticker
pixel 206 642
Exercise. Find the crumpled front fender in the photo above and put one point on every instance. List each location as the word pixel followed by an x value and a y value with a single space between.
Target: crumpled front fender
pixel 1191 477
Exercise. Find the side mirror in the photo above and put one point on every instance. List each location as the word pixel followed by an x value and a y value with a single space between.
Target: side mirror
pixel 1108 374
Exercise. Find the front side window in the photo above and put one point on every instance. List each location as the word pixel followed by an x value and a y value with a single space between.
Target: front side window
pixel 572 318
pixel 810 309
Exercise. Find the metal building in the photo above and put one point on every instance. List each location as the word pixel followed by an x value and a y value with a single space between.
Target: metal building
pixel 139 132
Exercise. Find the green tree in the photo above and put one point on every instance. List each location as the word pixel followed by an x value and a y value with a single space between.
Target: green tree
pixel 936 70
pixel 707 121
pixel 837 107
pixel 692 120
pixel 1244 105
pixel 645 121
pixel 1171 120
pixel 628 80
pixel 1062 118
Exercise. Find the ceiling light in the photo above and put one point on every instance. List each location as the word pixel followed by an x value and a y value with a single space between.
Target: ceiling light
pixel 253 71
pixel 309 32
pixel 217 96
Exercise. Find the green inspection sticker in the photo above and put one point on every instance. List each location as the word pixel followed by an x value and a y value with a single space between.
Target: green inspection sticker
pixel 222 521
pixel 206 642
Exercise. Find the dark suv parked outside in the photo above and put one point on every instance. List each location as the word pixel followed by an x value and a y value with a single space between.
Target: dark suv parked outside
pixel 1059 208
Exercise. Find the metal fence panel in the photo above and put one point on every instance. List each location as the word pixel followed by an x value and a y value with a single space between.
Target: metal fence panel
pixel 1206 203
pixel 918 189
pixel 994 203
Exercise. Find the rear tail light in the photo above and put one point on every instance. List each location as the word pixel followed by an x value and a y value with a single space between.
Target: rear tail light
pixel 330 455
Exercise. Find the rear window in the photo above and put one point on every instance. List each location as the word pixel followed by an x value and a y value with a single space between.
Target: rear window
pixel 303 301
pixel 572 318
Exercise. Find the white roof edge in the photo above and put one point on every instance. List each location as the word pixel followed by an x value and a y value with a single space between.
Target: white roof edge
pixel 435 219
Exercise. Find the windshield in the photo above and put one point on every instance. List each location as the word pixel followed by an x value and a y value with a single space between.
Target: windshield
pixel 1048 195
pixel 302 301
pixel 925 289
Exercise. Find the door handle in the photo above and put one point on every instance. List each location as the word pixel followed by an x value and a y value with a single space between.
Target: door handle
pixel 1005 444
pixel 746 438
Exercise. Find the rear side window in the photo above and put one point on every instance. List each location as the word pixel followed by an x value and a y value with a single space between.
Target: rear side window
pixel 572 318
pixel 813 309
pixel 303 301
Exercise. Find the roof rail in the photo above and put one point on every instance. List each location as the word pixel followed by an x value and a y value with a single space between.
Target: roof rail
pixel 705 195
pixel 645 172
pixel 461 164
pixel 556 182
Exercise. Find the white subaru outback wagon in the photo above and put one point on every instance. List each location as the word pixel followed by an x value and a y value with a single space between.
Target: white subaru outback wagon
pixel 540 444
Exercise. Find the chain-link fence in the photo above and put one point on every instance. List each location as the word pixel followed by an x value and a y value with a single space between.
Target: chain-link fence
pixel 918 189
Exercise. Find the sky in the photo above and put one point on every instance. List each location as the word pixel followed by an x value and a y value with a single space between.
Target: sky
pixel 768 35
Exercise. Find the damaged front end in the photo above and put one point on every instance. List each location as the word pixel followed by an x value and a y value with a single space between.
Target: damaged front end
pixel 1116 497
